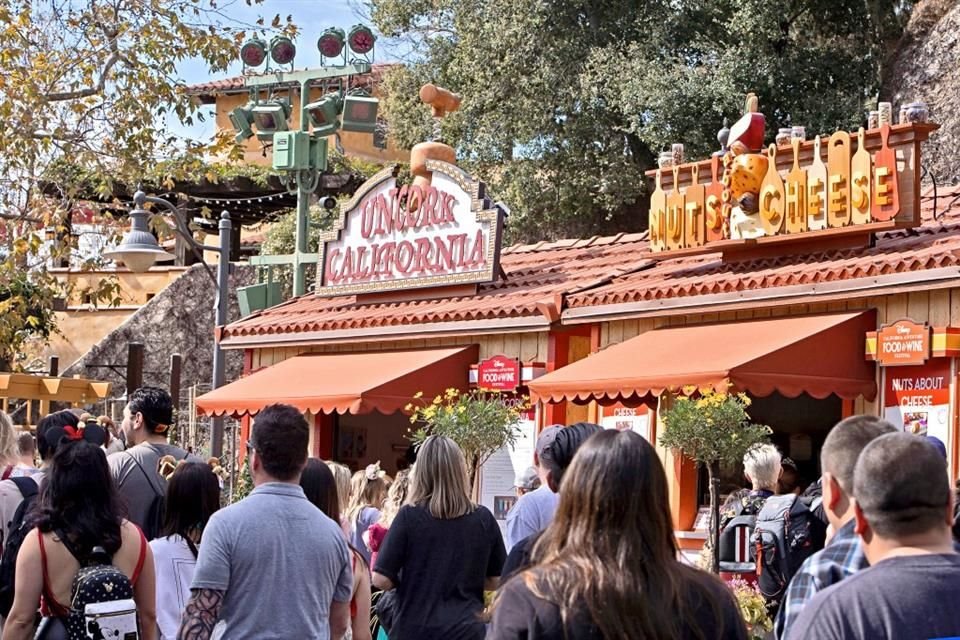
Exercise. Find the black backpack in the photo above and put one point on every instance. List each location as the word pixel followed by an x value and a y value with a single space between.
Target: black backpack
pixel 736 550
pixel 17 531
pixel 786 533
pixel 101 599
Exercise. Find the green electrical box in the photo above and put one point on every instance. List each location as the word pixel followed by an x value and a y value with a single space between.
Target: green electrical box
pixel 318 154
pixel 291 150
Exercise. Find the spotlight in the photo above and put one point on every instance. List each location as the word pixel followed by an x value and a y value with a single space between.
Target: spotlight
pixel 360 114
pixel 361 39
pixel 324 114
pixel 331 42
pixel 270 117
pixel 242 120
pixel 282 50
pixel 253 52
pixel 328 202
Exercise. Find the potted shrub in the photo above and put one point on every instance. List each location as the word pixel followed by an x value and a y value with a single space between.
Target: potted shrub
pixel 712 429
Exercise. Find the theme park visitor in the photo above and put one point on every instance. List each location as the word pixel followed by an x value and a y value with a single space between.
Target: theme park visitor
pixel 843 556
pixel 9 453
pixel 320 487
pixel 527 481
pixel 555 459
pixel 272 565
pixel 607 566
pixel 147 418
pixel 78 518
pixel 534 511
pixel 396 498
pixel 761 466
pixel 193 495
pixel 341 474
pixel 27 455
pixel 903 510
pixel 368 489
pixel 441 552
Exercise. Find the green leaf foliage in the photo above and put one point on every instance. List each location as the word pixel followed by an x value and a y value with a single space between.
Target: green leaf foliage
pixel 565 104
pixel 713 428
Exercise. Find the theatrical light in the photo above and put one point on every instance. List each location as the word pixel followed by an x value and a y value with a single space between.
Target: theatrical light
pixel 360 114
pixel 328 202
pixel 270 117
pixel 361 39
pixel 242 120
pixel 282 50
pixel 325 114
pixel 331 42
pixel 139 250
pixel 253 52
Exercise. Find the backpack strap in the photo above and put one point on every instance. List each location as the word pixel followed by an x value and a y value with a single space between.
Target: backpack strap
pixel 6 472
pixel 27 486
pixel 145 474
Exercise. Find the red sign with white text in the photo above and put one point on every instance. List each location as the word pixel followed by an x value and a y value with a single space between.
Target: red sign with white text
pixel 918 398
pixel 499 373
pixel 903 343
pixel 391 237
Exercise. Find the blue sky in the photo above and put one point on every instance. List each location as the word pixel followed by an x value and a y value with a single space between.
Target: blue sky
pixel 311 16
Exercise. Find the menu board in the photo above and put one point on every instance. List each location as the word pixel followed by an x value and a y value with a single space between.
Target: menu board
pixel 917 398
pixel 499 472
pixel 636 419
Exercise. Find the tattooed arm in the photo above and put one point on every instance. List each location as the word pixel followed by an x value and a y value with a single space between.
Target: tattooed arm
pixel 200 615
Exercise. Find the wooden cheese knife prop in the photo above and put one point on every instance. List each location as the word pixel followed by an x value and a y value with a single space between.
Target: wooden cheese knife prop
pixel 885 194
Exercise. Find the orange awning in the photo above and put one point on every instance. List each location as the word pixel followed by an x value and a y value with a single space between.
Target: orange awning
pixel 383 381
pixel 819 355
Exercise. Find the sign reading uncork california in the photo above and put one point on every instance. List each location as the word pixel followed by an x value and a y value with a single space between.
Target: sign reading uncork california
pixel 390 237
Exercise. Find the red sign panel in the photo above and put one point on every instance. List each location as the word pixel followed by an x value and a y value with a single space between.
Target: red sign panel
pixel 499 373
pixel 903 343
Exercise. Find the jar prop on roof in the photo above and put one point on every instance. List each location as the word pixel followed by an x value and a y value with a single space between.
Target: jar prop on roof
pixel 441 103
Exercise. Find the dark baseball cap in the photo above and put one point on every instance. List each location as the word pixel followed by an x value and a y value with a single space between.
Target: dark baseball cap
pixel 546 438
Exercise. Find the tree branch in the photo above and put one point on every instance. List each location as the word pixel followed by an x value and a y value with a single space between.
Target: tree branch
pixel 89 91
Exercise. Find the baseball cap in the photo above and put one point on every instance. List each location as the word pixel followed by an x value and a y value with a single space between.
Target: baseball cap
pixel 938 445
pixel 528 480
pixel 546 438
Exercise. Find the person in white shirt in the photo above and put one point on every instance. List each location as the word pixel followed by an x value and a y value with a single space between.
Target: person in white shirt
pixel 193 495
pixel 534 510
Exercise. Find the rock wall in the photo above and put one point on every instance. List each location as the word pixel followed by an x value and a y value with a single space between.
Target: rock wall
pixel 926 66
pixel 177 320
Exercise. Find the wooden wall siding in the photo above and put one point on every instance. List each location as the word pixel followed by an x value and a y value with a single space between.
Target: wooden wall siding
pixel 529 347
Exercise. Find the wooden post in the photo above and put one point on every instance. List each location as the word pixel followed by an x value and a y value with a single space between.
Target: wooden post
pixel 175 363
pixel 54 368
pixel 134 367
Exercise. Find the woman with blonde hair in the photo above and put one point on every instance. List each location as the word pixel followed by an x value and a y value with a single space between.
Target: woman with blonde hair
pixel 368 488
pixel 9 451
pixel 608 566
pixel 341 477
pixel 396 498
pixel 442 551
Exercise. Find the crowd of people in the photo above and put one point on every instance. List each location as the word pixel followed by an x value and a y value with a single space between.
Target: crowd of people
pixel 118 533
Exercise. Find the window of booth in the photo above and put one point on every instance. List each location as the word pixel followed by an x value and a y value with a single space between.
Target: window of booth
pixel 365 439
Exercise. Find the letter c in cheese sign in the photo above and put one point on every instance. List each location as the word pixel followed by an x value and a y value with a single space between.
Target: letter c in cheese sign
pixel 498 373
pixel 391 237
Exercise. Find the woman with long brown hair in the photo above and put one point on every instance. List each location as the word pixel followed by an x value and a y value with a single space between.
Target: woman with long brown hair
pixel 607 566
pixel 441 551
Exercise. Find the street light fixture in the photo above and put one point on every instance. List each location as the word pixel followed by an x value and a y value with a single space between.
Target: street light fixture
pixel 139 250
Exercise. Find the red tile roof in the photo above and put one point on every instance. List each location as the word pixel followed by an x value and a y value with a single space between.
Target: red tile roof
pixel 535 275
pixel 933 245
pixel 615 269
pixel 235 84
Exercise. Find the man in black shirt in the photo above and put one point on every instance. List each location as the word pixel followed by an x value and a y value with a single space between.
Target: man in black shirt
pixel 556 457
pixel 903 514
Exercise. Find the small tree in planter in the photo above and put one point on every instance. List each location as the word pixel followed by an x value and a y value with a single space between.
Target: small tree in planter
pixel 480 422
pixel 712 429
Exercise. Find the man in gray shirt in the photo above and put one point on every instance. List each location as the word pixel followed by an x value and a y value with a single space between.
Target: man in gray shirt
pixel 146 421
pixel 534 510
pixel 272 566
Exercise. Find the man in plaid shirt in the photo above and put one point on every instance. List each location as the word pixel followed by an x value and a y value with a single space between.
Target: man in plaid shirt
pixel 843 555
